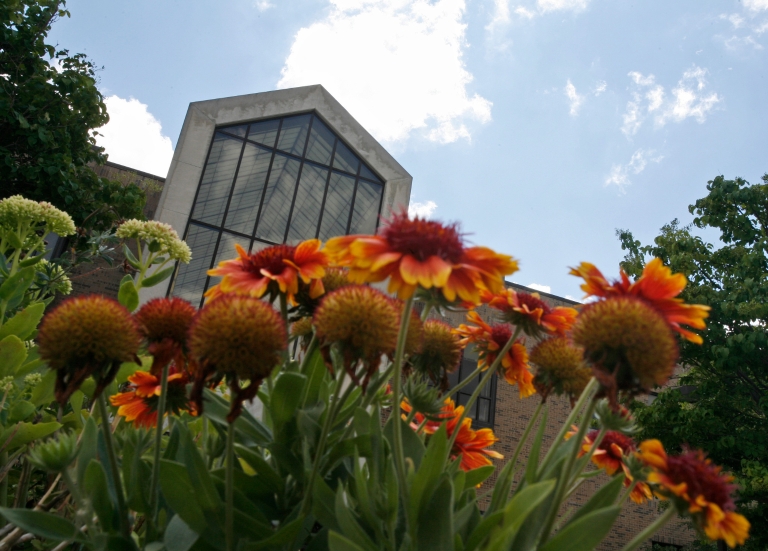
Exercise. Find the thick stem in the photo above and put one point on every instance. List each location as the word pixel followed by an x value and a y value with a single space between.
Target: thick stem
pixel 155 480
pixel 229 482
pixel 462 384
pixel 4 484
pixel 106 430
pixel 650 530
pixel 397 376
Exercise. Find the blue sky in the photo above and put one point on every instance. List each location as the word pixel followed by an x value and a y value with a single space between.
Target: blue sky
pixel 540 125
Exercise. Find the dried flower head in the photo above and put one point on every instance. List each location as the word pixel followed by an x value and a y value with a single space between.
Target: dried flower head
pixel 17 211
pixel 165 323
pixel 363 322
pixel 139 402
pixel 237 337
pixel 698 489
pixel 628 343
pixel 158 236
pixel 87 336
pixel 440 353
pixel 419 253
pixel 561 368
pixel 273 270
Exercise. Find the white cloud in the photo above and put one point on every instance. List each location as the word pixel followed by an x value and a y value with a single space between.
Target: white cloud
pixel 735 19
pixel 134 137
pixel 263 5
pixel 560 5
pixel 524 12
pixel 500 14
pixel 739 42
pixel 756 5
pixel 396 65
pixel 600 87
pixel 619 175
pixel 422 210
pixel 760 29
pixel 574 98
pixel 542 288
pixel 689 99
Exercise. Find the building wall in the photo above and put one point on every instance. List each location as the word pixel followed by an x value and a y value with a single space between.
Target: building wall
pixel 512 416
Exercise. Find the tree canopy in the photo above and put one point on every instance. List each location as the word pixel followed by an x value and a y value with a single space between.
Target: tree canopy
pixel 50 107
pixel 722 403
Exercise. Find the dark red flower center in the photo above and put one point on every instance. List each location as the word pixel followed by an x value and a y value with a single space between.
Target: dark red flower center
pixel 702 478
pixel 611 437
pixel 269 259
pixel 424 238
pixel 527 299
pixel 500 334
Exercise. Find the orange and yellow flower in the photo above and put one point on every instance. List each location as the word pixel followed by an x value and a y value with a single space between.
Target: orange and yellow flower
pixel 529 312
pixel 274 270
pixel 489 340
pixel 657 287
pixel 698 489
pixel 418 253
pixel 138 404
pixel 471 445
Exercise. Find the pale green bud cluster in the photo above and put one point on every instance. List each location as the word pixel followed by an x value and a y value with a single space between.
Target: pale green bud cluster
pixel 60 283
pixel 6 384
pixel 17 210
pixel 163 235
pixel 33 379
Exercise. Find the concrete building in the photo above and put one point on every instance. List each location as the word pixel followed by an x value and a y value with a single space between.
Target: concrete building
pixel 289 165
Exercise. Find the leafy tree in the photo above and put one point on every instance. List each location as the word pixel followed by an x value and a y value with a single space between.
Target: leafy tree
pixel 49 108
pixel 722 403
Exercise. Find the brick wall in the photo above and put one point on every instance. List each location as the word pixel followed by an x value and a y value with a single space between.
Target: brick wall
pixel 512 416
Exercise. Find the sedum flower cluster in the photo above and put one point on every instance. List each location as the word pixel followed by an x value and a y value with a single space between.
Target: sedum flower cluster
pixel 16 211
pixel 156 234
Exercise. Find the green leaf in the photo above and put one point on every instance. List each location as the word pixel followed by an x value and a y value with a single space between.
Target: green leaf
pixel 45 525
pixel 426 479
pixel 20 411
pixel 285 534
pixel 435 525
pixel 31 260
pixel 349 524
pixel 128 296
pixel 24 323
pixel 286 397
pixel 27 432
pixel 157 277
pixel 525 501
pixel 316 372
pixel 533 458
pixel 12 355
pixel 179 536
pixel 585 533
pixel 17 284
pixel 43 393
pixel 337 542
pixel 475 477
pixel 217 408
pixel 87 449
pixel 199 476
pixel 483 529
pixel 180 495
pixel 413 447
pixel 263 469
pixel 602 498
pixel 96 488
pixel 132 260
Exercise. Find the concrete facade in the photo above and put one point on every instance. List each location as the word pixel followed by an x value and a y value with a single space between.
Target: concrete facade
pixel 203 117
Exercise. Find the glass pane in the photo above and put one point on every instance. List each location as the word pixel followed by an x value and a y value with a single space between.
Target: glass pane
pixel 484 410
pixel 309 198
pixel 264 132
pixel 249 187
pixel 365 173
pixel 239 130
pixel 486 391
pixel 227 250
pixel 277 202
pixel 190 280
pixel 293 134
pixel 366 212
pixel 345 159
pixel 320 144
pixel 217 179
pixel 338 201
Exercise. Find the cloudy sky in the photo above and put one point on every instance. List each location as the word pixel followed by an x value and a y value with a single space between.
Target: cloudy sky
pixel 540 125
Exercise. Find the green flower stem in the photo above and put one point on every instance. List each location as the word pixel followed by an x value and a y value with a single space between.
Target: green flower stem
pixel 462 384
pixel 650 530
pixel 586 394
pixel 229 490
pixel 427 310
pixel 155 480
pixel 526 432
pixel 107 431
pixel 370 395
pixel 628 491
pixel 4 485
pixel 585 459
pixel 565 478
pixel 484 381
pixel 397 376
pixel 332 409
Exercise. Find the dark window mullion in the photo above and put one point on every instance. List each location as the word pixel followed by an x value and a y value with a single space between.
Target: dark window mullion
pixel 298 179
pixel 217 228
pixel 354 196
pixel 325 193
pixel 266 183
pixel 210 266
pixel 232 187
pixel 378 216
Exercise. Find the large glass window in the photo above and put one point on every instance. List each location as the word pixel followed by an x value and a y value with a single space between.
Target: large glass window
pixel 483 411
pixel 274 181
